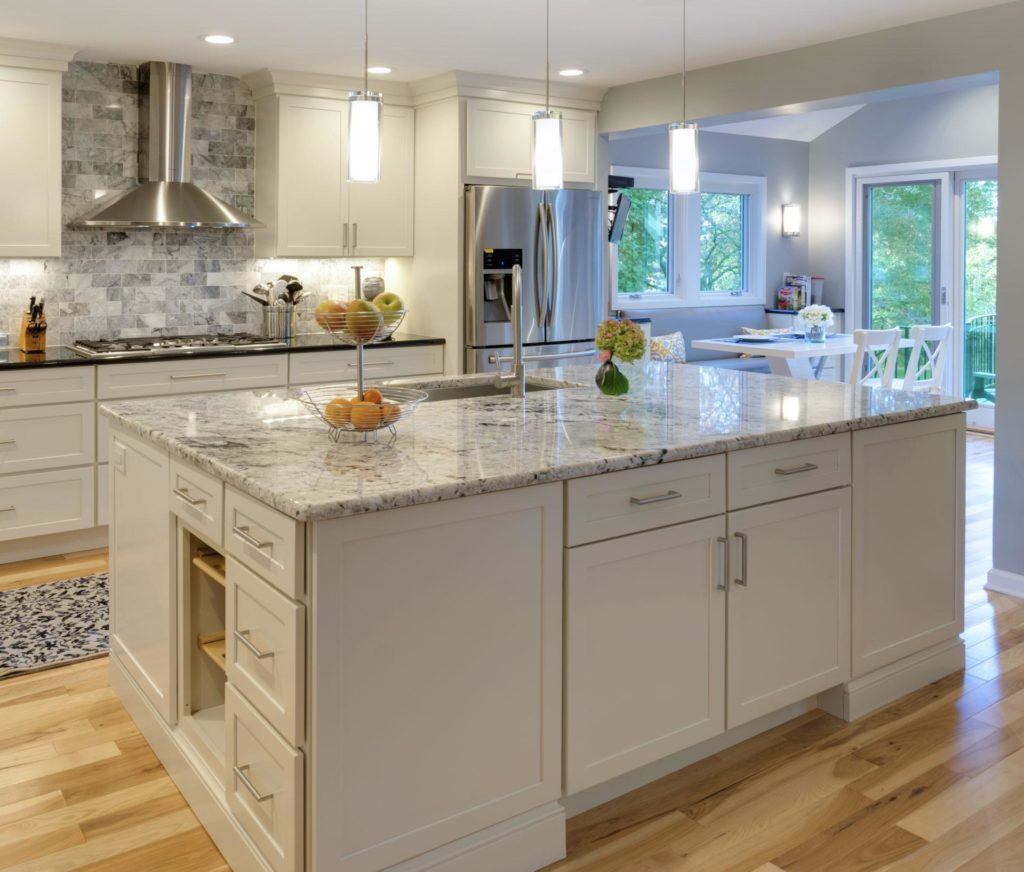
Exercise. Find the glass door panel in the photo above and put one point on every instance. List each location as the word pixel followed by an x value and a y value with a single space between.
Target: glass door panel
pixel 980 205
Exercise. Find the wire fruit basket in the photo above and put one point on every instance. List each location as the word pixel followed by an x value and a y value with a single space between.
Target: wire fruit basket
pixel 345 409
pixel 363 327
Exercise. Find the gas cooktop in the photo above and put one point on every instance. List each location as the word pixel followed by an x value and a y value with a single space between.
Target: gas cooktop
pixel 145 346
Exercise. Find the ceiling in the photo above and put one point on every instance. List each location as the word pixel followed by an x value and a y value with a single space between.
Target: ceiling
pixel 616 41
pixel 802 127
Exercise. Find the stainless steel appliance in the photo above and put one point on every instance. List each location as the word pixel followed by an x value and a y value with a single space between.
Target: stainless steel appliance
pixel 148 346
pixel 558 238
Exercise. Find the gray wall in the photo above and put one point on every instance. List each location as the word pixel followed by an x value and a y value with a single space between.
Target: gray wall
pixel 972 43
pixel 783 163
pixel 956 124
pixel 132 282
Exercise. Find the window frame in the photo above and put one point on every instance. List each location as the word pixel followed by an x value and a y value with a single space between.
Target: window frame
pixel 684 233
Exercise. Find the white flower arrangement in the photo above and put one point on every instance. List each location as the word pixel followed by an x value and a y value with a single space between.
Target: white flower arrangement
pixel 816 316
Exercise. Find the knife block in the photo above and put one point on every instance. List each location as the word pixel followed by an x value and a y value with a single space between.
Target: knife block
pixel 32 337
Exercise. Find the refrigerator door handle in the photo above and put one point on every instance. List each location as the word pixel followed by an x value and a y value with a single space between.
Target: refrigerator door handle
pixel 553 296
pixel 540 262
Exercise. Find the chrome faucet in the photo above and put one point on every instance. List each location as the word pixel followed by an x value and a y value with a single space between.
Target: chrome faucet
pixel 516 379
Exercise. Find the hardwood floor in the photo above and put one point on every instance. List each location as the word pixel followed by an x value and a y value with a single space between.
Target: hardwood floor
pixel 934 781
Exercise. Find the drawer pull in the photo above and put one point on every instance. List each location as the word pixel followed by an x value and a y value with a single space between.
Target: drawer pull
pixel 722 585
pixel 243 637
pixel 247 537
pixel 8 390
pixel 741 579
pixel 240 774
pixel 8 441
pixel 661 498
pixel 197 375
pixel 373 363
pixel 796 470
pixel 183 494
pixel 6 508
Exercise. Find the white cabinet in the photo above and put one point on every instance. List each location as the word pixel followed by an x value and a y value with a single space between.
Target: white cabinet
pixel 499 137
pixel 185 376
pixel 39 503
pixel 645 648
pixel 303 195
pixel 30 162
pixel 47 437
pixel 789 603
pixel 143 613
pixel 380 362
pixel 907 539
pixel 437 668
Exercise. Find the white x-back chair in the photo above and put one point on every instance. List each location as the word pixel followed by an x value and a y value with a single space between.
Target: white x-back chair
pixel 874 362
pixel 927 364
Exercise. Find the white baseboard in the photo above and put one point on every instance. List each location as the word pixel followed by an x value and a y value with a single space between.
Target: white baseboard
pixel 208 804
pixel 53 544
pixel 863 695
pixel 529 841
pixel 1002 581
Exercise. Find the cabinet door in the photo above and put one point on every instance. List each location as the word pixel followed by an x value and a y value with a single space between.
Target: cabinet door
pixel 382 214
pixel 142 591
pixel 312 189
pixel 789 603
pixel 645 648
pixel 499 136
pixel 30 163
pixel 908 525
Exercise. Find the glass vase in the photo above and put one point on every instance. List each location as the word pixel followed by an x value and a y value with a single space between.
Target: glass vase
pixel 814 333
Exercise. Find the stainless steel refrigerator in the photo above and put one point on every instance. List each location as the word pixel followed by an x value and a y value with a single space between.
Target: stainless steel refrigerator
pixel 559 239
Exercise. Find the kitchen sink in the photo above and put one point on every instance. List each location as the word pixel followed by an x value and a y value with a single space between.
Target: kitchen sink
pixel 463 392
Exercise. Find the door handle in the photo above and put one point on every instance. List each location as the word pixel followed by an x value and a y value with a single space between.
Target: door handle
pixel 344 235
pixel 741 579
pixel 722 585
pixel 240 773
pixel 247 537
pixel 355 235
pixel 553 298
pixel 8 441
pixel 183 494
pixel 243 637
pixel 661 498
pixel 371 363
pixel 796 470
pixel 187 376
pixel 540 263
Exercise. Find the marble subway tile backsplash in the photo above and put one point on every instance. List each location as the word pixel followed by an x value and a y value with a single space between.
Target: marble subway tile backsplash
pixel 111 283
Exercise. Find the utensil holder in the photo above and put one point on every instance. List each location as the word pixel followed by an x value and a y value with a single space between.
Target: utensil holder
pixel 279 321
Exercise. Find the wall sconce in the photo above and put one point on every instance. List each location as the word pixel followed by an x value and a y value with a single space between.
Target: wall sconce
pixel 792 219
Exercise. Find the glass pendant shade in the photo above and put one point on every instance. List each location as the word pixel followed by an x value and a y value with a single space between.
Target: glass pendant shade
pixel 364 136
pixel 684 166
pixel 548 169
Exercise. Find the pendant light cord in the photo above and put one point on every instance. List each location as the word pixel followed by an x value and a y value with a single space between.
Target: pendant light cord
pixel 366 48
pixel 684 61
pixel 547 55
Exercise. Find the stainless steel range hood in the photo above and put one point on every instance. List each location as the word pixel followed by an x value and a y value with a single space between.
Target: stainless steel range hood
pixel 165 196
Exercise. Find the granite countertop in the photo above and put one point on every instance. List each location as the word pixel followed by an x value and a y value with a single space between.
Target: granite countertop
pixel 267 445
pixel 63 355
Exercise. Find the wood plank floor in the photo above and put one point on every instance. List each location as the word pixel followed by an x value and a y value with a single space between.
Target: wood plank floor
pixel 934 781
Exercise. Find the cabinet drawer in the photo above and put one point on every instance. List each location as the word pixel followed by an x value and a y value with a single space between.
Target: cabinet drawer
pixel 266 651
pixel 162 377
pixel 618 503
pixel 324 367
pixel 271 544
pixel 65 384
pixel 35 503
pixel 47 437
pixel 198 499
pixel 791 469
pixel 265 784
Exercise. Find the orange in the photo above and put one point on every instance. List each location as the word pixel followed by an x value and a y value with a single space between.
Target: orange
pixel 365 416
pixel 338 412
pixel 390 412
pixel 372 395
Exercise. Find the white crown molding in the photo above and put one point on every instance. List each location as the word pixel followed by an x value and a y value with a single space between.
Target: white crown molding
pixel 36 55
pixel 457 83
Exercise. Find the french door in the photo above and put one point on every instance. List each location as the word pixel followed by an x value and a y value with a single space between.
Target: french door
pixel 926 243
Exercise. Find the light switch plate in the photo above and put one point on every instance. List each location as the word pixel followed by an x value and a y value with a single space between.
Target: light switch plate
pixel 119 456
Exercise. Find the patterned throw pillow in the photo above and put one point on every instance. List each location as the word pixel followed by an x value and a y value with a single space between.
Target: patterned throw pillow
pixel 670 348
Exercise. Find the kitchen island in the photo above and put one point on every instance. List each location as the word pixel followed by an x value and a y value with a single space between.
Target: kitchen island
pixel 417 654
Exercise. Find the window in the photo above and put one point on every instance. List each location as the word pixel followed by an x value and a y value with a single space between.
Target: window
pixel 704 250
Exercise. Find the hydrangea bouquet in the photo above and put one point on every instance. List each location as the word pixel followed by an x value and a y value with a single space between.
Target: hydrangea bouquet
pixel 622 339
pixel 817 319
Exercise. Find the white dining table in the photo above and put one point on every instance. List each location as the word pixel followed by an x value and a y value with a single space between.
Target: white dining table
pixel 793 357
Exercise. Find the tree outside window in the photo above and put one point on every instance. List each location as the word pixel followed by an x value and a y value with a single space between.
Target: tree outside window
pixel 643 251
pixel 721 242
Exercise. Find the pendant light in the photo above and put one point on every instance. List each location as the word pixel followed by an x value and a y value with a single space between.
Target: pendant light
pixel 548 170
pixel 364 120
pixel 683 163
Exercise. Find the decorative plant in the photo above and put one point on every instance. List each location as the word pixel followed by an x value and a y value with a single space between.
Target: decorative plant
pixel 817 315
pixel 622 339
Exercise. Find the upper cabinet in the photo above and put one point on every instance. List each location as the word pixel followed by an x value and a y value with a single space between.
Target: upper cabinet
pixel 499 136
pixel 303 196
pixel 30 152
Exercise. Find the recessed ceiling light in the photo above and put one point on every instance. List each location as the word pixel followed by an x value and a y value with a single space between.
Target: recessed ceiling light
pixel 218 39
pixel 571 72
pixel 378 71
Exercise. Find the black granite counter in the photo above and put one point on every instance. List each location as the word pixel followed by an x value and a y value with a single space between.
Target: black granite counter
pixel 61 355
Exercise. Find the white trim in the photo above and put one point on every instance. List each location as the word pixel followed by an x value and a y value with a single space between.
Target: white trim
pixel 1004 581
pixel 36 55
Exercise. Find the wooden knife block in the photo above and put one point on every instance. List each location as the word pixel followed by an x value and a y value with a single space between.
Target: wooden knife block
pixel 32 339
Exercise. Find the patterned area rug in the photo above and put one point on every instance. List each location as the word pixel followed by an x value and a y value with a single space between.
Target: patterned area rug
pixel 46 625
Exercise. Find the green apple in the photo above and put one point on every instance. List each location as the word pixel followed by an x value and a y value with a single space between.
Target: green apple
pixel 391 305
pixel 362 319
